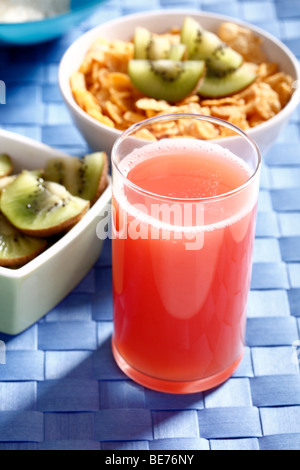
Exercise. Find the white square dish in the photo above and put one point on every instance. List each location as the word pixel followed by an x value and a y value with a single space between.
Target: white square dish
pixel 28 293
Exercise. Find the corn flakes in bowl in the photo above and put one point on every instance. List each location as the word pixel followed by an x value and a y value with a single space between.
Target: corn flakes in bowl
pixel 105 96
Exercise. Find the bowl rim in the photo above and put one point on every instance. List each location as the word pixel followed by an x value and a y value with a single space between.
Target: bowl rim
pixel 67 238
pixel 65 88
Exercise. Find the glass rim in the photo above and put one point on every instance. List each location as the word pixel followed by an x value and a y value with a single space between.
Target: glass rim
pixel 200 117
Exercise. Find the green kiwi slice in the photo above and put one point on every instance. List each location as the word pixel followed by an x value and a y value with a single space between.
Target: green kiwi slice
pixel 39 208
pixel 7 180
pixel 166 79
pixel 205 45
pixel 148 46
pixel 177 52
pixel 17 249
pixel 141 41
pixel 83 177
pixel 217 87
pixel 6 166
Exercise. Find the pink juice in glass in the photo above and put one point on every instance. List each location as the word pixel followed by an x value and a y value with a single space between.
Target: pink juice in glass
pixel 180 285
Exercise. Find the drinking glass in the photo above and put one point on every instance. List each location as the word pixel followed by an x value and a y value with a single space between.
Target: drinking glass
pixel 184 212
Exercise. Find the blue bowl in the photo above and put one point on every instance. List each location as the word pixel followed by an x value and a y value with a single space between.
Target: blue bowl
pixel 34 32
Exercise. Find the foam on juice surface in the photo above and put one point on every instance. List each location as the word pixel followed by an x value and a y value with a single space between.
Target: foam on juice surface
pixel 180 147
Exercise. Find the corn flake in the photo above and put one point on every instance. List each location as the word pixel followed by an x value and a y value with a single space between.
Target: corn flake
pixel 152 104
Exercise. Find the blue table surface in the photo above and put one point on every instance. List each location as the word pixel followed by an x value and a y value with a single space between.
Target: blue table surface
pixel 60 387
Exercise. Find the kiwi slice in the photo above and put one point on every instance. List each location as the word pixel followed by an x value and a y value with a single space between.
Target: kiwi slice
pixel 85 178
pixel 216 87
pixel 6 166
pixel 150 47
pixel 40 208
pixel 158 48
pixel 141 40
pixel 166 79
pixel 17 249
pixel 177 52
pixel 205 45
pixel 7 180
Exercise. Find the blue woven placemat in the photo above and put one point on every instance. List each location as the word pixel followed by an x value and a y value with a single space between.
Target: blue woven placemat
pixel 60 387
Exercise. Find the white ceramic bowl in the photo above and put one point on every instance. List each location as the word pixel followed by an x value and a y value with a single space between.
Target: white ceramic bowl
pixel 28 293
pixel 100 136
